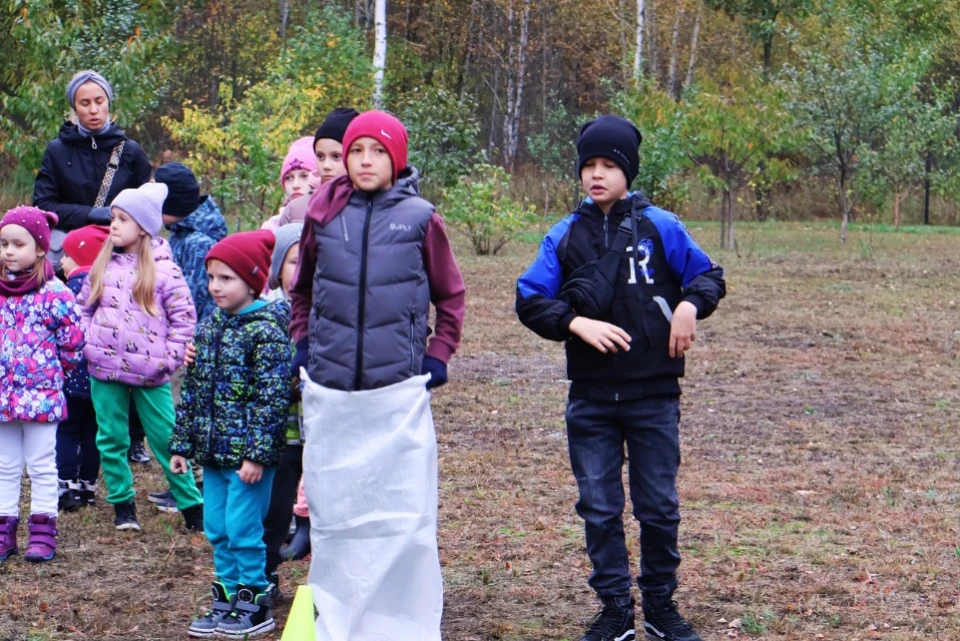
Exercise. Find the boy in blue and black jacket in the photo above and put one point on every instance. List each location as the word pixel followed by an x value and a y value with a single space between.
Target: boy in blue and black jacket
pixel 623 284
pixel 232 419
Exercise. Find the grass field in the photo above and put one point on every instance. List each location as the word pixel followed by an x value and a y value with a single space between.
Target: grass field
pixel 819 482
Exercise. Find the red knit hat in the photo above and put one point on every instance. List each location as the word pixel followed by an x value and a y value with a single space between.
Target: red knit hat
pixel 83 245
pixel 385 129
pixel 247 253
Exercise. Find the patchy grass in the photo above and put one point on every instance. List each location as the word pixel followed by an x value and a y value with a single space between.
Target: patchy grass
pixel 819 480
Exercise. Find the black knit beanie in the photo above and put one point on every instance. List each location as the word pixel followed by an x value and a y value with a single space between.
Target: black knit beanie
pixel 614 138
pixel 335 124
pixel 184 196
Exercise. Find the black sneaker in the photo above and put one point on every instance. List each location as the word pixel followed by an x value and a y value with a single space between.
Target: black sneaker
pixel 160 497
pixel 193 518
pixel 206 626
pixel 69 495
pixel 662 622
pixel 251 615
pixel 88 493
pixel 137 453
pixel 614 622
pixel 273 590
pixel 167 506
pixel 126 516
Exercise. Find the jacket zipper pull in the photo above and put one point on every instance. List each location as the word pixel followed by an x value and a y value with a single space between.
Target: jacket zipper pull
pixel 93 142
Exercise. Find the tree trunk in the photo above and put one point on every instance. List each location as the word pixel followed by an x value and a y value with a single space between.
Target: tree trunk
pixel 926 188
pixel 897 196
pixel 767 53
pixel 515 85
pixel 284 17
pixel 724 207
pixel 844 207
pixel 379 52
pixel 654 57
pixel 467 52
pixel 638 54
pixel 674 55
pixel 694 39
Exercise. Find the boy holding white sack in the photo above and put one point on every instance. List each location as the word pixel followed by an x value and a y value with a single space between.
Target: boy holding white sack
pixel 374 255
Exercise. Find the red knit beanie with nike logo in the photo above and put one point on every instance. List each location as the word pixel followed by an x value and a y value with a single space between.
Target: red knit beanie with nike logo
pixel 247 253
pixel 385 129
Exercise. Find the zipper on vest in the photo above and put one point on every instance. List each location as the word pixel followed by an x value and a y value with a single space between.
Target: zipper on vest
pixel 93 142
pixel 361 307
pixel 606 234
pixel 413 351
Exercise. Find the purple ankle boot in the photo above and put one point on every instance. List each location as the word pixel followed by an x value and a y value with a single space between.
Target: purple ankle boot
pixel 8 536
pixel 43 538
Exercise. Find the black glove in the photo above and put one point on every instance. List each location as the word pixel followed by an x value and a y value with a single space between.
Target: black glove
pixel 99 216
pixel 437 370
pixel 300 357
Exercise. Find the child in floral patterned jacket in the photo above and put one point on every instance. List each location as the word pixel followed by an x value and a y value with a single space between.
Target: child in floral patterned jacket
pixel 232 418
pixel 40 340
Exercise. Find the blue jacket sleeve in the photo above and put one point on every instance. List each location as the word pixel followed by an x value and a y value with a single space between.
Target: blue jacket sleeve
pixel 537 306
pixel 702 279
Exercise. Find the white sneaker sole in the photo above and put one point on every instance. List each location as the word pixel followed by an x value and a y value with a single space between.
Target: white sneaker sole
pixel 249 633
pixel 127 527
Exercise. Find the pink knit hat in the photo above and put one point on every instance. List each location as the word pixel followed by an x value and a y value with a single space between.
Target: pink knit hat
pixel 36 221
pixel 300 156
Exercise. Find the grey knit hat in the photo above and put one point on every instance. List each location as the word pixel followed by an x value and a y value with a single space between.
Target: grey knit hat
pixel 144 205
pixel 83 77
pixel 287 237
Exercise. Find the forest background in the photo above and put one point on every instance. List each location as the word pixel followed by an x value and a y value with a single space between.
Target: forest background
pixel 750 109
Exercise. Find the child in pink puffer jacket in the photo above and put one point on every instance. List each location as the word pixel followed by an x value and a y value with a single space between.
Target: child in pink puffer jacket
pixel 139 316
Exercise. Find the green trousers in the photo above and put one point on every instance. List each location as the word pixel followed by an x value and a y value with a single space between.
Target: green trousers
pixel 155 406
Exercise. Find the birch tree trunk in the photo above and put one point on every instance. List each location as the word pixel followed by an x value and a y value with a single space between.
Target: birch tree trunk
pixel 674 55
pixel 638 54
pixel 694 40
pixel 516 76
pixel 653 59
pixel 379 52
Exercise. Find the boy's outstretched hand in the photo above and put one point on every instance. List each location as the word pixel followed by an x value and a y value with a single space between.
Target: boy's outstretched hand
pixel 250 472
pixel 178 464
pixel 683 329
pixel 600 335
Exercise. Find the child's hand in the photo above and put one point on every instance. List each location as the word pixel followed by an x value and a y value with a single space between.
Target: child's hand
pixel 178 464
pixel 250 472
pixel 189 355
pixel 600 335
pixel 683 330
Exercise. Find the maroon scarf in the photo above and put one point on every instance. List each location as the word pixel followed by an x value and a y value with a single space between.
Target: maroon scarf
pixel 26 281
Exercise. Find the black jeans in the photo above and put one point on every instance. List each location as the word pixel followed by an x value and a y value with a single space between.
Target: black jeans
pixel 77 453
pixel 597 431
pixel 283 496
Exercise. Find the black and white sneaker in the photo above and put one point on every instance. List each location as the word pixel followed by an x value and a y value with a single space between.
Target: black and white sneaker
pixel 160 497
pixel 70 499
pixel 138 453
pixel 88 493
pixel 206 626
pixel 662 622
pixel 614 622
pixel 167 506
pixel 251 615
pixel 126 517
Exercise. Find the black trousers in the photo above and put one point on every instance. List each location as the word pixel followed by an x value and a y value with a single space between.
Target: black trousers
pixel 276 525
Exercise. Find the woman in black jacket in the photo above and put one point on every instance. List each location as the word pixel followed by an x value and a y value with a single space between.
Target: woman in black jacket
pixel 73 167
pixel 72 174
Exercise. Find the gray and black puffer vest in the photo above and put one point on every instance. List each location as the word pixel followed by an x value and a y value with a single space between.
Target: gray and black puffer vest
pixel 371 298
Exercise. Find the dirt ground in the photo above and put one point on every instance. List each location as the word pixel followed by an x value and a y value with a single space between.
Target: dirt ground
pixel 819 479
